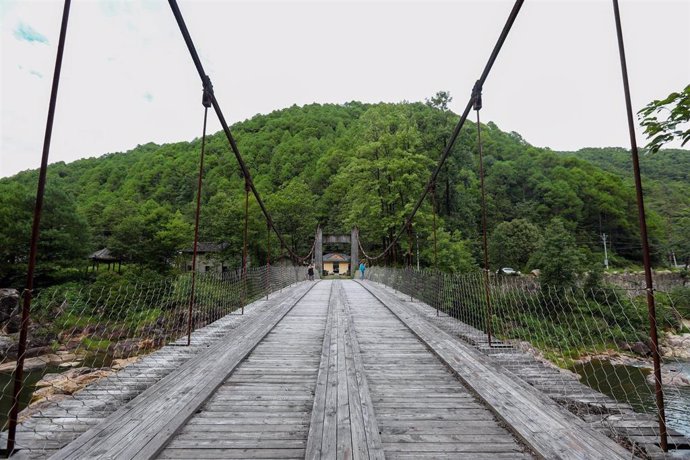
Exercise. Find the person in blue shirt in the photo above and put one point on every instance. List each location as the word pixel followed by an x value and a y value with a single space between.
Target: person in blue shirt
pixel 362 267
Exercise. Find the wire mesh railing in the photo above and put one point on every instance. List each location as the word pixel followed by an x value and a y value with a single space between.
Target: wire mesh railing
pixel 561 338
pixel 78 337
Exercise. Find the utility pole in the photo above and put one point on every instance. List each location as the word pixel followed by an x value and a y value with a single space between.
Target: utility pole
pixel 606 254
pixel 417 238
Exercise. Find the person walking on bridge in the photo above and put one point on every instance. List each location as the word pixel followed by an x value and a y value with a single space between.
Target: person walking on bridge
pixel 362 268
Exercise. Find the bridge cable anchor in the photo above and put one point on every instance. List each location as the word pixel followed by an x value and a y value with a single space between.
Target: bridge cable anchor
pixel 477 95
pixel 207 95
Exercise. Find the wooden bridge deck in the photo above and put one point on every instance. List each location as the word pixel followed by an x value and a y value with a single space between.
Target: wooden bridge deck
pixel 326 370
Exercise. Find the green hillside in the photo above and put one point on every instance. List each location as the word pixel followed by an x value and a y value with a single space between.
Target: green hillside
pixel 338 166
pixel 666 183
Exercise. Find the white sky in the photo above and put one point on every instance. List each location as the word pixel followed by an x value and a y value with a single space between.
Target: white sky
pixel 127 78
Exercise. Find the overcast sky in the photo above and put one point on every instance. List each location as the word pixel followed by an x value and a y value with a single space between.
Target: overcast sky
pixel 127 78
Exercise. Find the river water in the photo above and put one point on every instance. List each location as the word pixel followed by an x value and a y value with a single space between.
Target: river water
pixel 32 377
pixel 30 380
pixel 629 384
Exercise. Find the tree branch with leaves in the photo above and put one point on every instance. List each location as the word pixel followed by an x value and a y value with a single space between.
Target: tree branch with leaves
pixel 676 125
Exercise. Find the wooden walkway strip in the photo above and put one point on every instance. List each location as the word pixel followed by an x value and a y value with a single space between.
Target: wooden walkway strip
pixel 361 403
pixel 142 427
pixel 263 408
pixel 423 411
pixel 547 429
pixel 318 414
pixel 343 424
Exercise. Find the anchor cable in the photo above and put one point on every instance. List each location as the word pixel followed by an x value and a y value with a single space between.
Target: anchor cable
pixel 461 122
pixel 206 102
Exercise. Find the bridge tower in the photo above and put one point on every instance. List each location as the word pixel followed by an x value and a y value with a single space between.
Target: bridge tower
pixel 352 239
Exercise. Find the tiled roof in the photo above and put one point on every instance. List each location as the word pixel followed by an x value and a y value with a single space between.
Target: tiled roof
pixel 103 254
pixel 207 247
pixel 335 257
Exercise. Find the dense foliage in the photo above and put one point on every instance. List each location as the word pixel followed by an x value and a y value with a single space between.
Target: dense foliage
pixel 337 166
pixel 666 185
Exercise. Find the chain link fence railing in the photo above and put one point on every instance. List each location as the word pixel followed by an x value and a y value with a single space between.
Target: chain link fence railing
pixel 587 347
pixel 84 339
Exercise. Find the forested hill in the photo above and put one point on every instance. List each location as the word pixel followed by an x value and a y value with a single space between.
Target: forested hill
pixel 338 166
pixel 666 183
pixel 670 165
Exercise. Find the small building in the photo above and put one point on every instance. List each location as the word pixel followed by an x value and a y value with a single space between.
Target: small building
pixel 336 263
pixel 104 256
pixel 209 258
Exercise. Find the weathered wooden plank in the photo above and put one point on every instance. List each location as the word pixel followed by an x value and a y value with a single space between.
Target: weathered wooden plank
pixel 457 455
pixel 225 443
pixel 255 435
pixel 234 453
pixel 496 437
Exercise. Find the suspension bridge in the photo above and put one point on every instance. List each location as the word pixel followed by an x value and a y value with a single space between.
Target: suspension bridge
pixel 263 364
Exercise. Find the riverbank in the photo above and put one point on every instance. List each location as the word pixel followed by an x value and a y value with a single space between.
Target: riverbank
pixel 671 372
pixel 674 348
pixel 54 387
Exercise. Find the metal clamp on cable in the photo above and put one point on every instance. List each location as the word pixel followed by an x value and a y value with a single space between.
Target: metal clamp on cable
pixel 477 95
pixel 207 97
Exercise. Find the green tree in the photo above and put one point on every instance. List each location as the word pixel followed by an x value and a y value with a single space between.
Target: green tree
pixel 440 100
pixel 558 258
pixel 454 255
pixel 174 235
pixel 63 239
pixel 150 235
pixel 293 208
pixel 385 174
pixel 513 243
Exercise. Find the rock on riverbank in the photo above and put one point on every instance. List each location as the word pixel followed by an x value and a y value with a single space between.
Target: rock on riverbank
pixel 39 362
pixel 56 387
pixel 676 346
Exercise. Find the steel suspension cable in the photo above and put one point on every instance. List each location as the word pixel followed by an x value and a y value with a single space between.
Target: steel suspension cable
pixel 409 246
pixel 433 210
pixel 35 230
pixel 649 288
pixel 206 102
pixel 226 129
pixel 480 147
pixel 245 244
pixel 361 249
pixel 456 131
pixel 268 258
